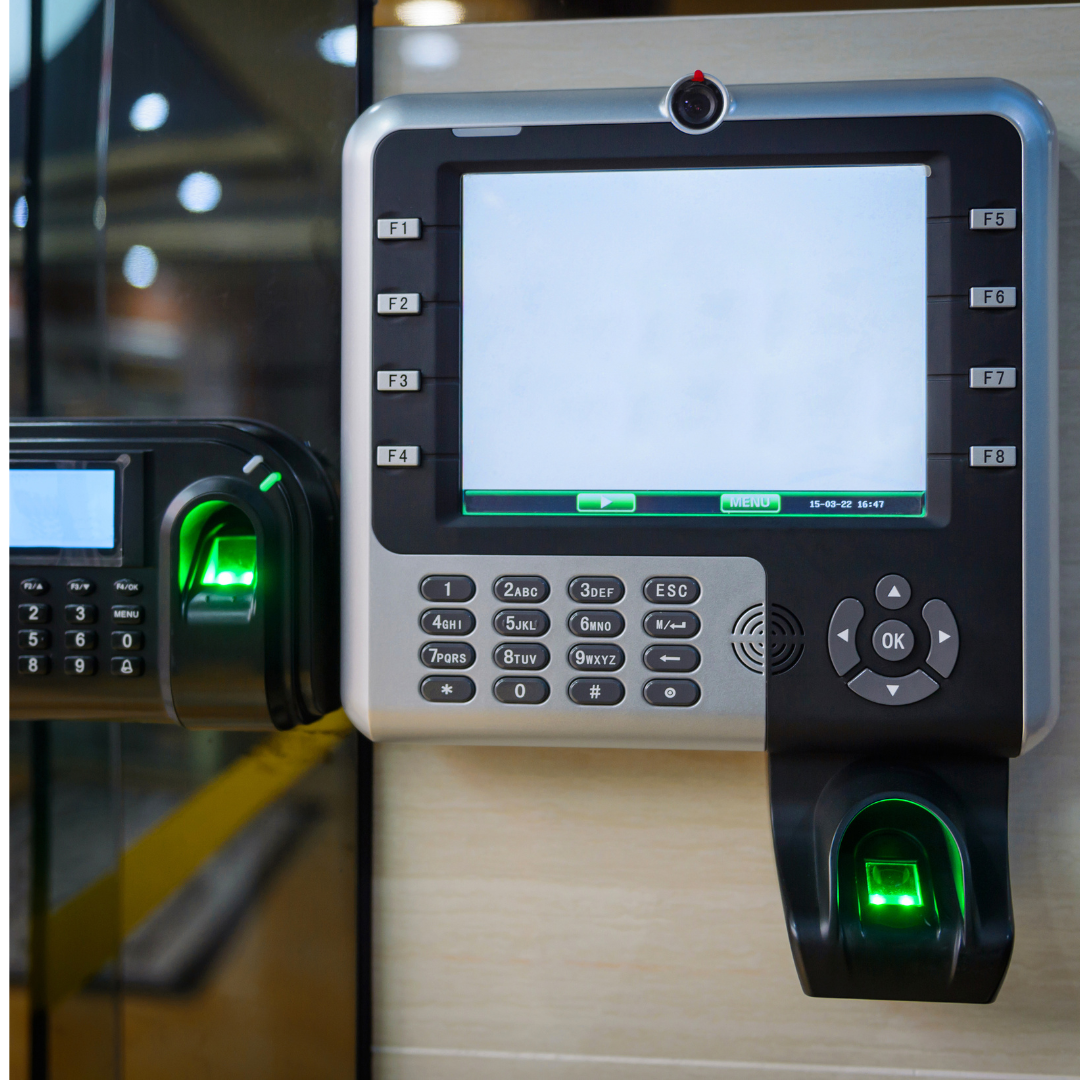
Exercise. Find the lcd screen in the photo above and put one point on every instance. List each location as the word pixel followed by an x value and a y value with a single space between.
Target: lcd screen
pixel 695 341
pixel 63 508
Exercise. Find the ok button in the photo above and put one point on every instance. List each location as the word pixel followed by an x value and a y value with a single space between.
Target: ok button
pixel 893 640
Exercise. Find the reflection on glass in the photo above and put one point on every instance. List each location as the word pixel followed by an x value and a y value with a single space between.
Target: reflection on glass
pixel 149 112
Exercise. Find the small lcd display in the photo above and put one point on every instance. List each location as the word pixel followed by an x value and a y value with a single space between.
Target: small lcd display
pixel 695 341
pixel 63 508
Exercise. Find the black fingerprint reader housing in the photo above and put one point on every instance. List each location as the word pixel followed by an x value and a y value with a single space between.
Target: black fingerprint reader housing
pixel 628 462
pixel 172 570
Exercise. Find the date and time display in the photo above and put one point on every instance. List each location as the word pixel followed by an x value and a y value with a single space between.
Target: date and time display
pixel 698 504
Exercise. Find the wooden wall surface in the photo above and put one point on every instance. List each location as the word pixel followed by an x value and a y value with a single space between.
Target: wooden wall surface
pixel 610 914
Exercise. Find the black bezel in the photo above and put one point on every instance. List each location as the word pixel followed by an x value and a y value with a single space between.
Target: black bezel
pixel 968 550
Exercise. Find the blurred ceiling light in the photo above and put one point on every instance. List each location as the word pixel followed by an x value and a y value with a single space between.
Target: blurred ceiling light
pixel 199 192
pixel 430 12
pixel 100 213
pixel 140 266
pixel 432 51
pixel 339 46
pixel 20 213
pixel 149 112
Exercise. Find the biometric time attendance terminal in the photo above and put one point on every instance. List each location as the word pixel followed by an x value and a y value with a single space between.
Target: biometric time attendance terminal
pixel 178 571
pixel 723 418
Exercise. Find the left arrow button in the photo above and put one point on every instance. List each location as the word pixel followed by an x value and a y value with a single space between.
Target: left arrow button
pixel 845 620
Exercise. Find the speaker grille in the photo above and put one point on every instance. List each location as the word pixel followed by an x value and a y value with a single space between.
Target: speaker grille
pixel 784 640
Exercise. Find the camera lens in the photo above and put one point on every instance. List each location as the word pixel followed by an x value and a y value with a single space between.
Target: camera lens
pixel 696 104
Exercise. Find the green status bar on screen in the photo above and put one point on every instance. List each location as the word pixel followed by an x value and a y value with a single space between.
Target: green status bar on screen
pixel 719 504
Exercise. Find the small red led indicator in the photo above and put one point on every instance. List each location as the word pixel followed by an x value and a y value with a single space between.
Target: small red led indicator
pixel 699 76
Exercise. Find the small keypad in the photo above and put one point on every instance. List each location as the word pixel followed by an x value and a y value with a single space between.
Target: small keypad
pixel 447 621
pixel 34 639
pixel 451 688
pixel 80 614
pixel 606 657
pixel 521 623
pixel 447 654
pixel 514 657
pixel 526 691
pixel 34 586
pixel 671 590
pixel 130 667
pixel 29 614
pixel 127 613
pixel 596 691
pixel 80 665
pixel 672 624
pixel 525 590
pixel 671 692
pixel 596 590
pixel 127 587
pixel 80 639
pixel 33 665
pixel 671 658
pixel 80 587
pixel 596 623
pixel 447 588
pixel 126 640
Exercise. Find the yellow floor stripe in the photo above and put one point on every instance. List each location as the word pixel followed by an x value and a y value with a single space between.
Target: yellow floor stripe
pixel 84 933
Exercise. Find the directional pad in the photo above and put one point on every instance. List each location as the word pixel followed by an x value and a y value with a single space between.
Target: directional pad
pixel 893 640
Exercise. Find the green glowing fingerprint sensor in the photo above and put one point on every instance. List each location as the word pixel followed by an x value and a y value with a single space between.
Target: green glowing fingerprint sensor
pixel 893 883
pixel 231 561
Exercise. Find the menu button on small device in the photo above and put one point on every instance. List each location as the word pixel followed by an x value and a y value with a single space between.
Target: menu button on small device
pixel 399 303
pixel 127 613
pixel 448 688
pixel 402 228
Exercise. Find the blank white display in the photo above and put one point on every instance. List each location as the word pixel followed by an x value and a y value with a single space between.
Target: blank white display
pixel 695 330
pixel 63 508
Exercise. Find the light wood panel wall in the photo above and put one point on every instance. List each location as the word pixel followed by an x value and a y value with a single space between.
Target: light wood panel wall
pixel 600 905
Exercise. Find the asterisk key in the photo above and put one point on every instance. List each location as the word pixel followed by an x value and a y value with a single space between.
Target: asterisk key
pixel 446 688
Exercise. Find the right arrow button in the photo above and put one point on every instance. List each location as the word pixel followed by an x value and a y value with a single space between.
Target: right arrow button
pixel 944 637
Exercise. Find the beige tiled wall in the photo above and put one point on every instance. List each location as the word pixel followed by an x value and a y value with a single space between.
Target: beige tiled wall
pixel 610 914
